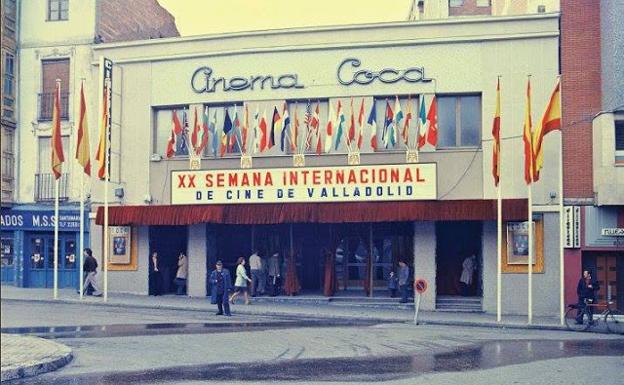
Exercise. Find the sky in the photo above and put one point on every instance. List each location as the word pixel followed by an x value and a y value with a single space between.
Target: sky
pixel 198 17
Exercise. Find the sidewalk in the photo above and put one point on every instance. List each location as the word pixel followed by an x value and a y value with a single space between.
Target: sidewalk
pixel 25 356
pixel 304 306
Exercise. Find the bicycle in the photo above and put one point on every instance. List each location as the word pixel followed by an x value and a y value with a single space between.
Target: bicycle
pixel 612 318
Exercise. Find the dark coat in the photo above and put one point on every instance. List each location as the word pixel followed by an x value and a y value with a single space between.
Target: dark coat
pixel 211 285
pixel 585 292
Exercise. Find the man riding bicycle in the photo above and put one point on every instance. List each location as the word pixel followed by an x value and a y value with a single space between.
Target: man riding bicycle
pixel 586 292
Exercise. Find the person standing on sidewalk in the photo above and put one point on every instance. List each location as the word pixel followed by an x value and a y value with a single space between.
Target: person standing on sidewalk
pixel 255 265
pixel 219 287
pixel 181 274
pixel 240 285
pixel 89 271
pixel 403 280
pixel 274 274
pixel 155 276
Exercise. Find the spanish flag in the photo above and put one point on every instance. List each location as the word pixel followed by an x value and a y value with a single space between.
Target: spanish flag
pixel 496 134
pixel 100 155
pixel 527 137
pixel 57 144
pixel 82 147
pixel 551 121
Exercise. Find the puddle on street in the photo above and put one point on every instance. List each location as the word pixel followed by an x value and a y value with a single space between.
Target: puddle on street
pixel 488 355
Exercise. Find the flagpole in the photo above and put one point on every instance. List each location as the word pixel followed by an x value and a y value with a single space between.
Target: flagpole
pixel 81 218
pixel 561 222
pixel 499 227
pixel 106 181
pixel 56 225
pixel 530 270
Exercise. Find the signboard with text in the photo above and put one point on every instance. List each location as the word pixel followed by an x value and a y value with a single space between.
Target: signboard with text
pixel 312 184
pixel 39 220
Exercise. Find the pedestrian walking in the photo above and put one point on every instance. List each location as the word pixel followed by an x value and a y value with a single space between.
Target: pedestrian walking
pixel 255 265
pixel 586 291
pixel 181 274
pixel 219 287
pixel 393 284
pixel 274 274
pixel 403 280
pixel 155 275
pixel 90 270
pixel 240 284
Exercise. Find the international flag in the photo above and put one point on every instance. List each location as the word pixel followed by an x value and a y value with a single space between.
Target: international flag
pixel 372 123
pixel 100 154
pixel 256 130
pixel 212 126
pixel 329 129
pixel 245 127
pixel 340 124
pixel 195 132
pixel 551 121
pixel 307 120
pixel 315 123
pixel 227 128
pixel 408 119
pixel 56 142
pixel 496 159
pixel 432 122
pixel 295 138
pixel 422 123
pixel 285 127
pixel 82 146
pixel 184 142
pixel 276 121
pixel 263 132
pixel 352 124
pixel 176 130
pixel 236 130
pixel 360 124
pixel 205 132
pixel 527 137
pixel 388 122
pixel 398 117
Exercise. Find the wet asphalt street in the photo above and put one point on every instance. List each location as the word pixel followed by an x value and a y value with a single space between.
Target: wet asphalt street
pixel 152 346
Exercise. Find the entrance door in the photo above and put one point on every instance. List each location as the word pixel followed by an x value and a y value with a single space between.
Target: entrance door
pixel 168 242
pixel 40 264
pixel 607 276
pixel 352 256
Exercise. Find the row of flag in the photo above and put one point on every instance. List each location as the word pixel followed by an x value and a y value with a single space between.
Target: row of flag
pixel 82 145
pixel 303 136
pixel 532 137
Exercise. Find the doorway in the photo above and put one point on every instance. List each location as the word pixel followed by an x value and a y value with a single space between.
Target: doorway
pixel 168 242
pixel 39 265
pixel 455 242
pixel 608 271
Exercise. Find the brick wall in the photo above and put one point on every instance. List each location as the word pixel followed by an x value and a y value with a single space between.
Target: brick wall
pixel 581 95
pixel 122 20
pixel 469 8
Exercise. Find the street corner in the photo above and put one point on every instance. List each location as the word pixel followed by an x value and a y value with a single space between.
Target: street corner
pixel 25 356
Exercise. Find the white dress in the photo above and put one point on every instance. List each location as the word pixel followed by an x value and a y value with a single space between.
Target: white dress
pixel 467 272
pixel 241 277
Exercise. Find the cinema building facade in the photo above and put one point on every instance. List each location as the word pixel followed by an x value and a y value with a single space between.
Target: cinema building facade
pixel 352 211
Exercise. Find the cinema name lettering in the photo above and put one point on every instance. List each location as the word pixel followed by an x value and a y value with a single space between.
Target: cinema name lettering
pixel 204 79
pixel 315 184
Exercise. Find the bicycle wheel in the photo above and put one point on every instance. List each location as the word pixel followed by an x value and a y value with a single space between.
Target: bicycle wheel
pixel 571 322
pixel 615 321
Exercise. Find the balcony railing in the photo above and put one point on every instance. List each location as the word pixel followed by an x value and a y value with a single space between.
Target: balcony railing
pixel 44 187
pixel 46 105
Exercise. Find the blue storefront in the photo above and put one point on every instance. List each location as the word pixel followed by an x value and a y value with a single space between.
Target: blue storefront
pixel 27 246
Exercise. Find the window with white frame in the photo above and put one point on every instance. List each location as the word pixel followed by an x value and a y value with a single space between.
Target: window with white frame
pixel 619 141
pixel 459 121
pixel 45 154
pixel 58 10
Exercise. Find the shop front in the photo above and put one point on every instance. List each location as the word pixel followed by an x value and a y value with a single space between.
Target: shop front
pixel 28 247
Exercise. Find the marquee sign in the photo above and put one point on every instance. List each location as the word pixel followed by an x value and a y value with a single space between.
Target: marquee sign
pixel 311 184
pixel 386 75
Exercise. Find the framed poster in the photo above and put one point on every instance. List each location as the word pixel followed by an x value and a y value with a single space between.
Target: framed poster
pixel 516 247
pixel 119 243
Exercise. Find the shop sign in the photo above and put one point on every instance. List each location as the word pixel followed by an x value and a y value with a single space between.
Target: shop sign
pixel 613 232
pixel 347 77
pixel 39 220
pixel 204 81
pixel 311 184
pixel 577 227
pixel 572 227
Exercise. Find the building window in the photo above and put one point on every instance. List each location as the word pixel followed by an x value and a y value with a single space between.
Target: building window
pixel 484 3
pixel 619 142
pixel 52 70
pixel 7 250
pixel 58 10
pixel 456 3
pixel 459 121
pixel 8 157
pixel 44 179
pixel 8 81
pixel 515 247
pixel 9 19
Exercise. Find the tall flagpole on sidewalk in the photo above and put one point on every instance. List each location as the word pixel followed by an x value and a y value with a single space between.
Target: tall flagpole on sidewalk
pixel 499 225
pixel 81 220
pixel 561 222
pixel 106 180
pixel 530 264
pixel 56 199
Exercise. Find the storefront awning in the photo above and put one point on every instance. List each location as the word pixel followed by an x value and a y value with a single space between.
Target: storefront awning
pixel 246 214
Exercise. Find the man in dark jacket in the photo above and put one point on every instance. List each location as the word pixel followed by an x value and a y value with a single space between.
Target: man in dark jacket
pixel 586 290
pixel 219 286
pixel 90 270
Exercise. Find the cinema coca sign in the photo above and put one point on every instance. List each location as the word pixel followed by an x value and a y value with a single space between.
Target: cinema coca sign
pixel 313 184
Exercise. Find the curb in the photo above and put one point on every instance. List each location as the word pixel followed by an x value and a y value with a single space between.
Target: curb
pixel 423 321
pixel 45 366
